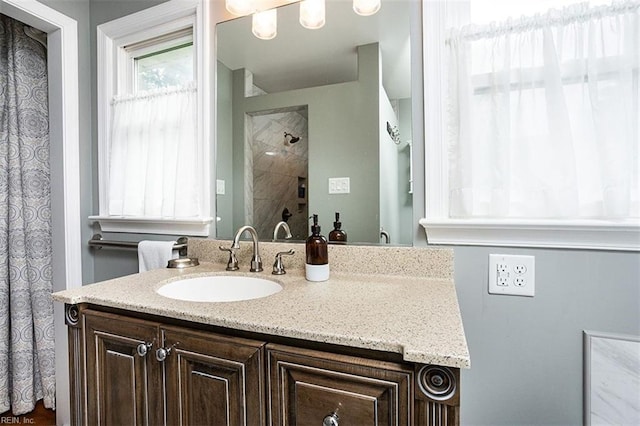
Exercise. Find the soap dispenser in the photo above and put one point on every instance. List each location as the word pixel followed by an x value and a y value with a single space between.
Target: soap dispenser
pixel 337 236
pixel 317 254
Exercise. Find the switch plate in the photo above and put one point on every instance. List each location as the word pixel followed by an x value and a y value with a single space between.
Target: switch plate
pixel 340 185
pixel 511 274
pixel 220 187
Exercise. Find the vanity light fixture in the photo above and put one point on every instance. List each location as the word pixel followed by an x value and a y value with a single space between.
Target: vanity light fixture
pixel 239 7
pixel 312 14
pixel 264 25
pixel 366 7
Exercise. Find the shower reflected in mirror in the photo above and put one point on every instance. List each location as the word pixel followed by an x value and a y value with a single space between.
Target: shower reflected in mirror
pixel 290 139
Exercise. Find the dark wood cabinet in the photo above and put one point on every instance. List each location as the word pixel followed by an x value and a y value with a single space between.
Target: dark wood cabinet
pixel 145 373
pixel 213 379
pixel 123 386
pixel 130 368
pixel 306 387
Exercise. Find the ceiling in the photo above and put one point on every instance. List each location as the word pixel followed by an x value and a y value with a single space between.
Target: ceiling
pixel 298 57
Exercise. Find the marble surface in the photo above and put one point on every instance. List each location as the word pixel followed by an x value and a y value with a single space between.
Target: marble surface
pixel 412 309
pixel 278 167
pixel 614 380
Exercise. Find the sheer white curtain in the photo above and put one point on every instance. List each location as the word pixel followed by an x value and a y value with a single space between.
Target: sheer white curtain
pixel 153 155
pixel 544 117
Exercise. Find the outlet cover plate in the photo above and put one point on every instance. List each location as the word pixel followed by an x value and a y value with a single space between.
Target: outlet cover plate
pixel 220 187
pixel 512 274
pixel 340 185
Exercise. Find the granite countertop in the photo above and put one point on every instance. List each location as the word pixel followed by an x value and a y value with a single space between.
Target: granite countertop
pixel 417 317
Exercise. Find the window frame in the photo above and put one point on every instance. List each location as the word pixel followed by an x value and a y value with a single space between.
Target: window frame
pixel 440 229
pixel 114 77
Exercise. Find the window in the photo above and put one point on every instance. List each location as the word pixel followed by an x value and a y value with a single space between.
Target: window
pixel 539 142
pixel 163 62
pixel 153 141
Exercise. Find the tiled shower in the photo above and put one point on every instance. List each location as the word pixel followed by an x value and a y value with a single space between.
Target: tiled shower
pixel 280 170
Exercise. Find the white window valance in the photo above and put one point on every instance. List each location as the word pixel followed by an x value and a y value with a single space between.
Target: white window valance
pixel 153 153
pixel 544 118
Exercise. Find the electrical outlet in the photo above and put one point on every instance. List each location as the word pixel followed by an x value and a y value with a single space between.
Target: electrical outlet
pixel 520 269
pixel 511 274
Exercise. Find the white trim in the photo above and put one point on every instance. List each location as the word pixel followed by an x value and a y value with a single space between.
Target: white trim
pixel 583 234
pixel 436 170
pixel 203 38
pixel 112 37
pixel 185 227
pixel 62 39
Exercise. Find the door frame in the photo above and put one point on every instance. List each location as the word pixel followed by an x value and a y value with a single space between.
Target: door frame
pixel 62 64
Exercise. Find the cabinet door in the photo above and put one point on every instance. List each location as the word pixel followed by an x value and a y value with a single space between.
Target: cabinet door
pixel 306 386
pixel 123 385
pixel 213 379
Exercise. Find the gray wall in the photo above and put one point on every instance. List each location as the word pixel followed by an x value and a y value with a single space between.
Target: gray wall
pixel 405 201
pixel 526 353
pixel 224 151
pixel 389 172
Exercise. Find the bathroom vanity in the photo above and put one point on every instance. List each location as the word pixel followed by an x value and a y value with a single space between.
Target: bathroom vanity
pixel 384 347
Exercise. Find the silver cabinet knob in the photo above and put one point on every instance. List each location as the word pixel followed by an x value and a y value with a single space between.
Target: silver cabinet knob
pixel 162 354
pixel 143 348
pixel 331 420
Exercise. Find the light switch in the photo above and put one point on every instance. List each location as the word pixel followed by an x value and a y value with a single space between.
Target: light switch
pixel 219 187
pixel 339 185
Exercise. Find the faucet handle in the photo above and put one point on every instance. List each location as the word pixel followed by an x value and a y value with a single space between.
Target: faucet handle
pixel 278 266
pixel 256 263
pixel 232 264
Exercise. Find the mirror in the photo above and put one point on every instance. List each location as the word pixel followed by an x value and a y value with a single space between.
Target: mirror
pixel 316 122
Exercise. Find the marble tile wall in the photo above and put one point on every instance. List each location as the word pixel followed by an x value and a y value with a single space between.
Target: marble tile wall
pixel 248 171
pixel 613 379
pixel 278 169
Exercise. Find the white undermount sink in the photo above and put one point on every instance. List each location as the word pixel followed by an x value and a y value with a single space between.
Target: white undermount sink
pixel 219 288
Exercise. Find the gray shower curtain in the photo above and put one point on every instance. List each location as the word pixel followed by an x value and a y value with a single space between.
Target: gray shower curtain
pixel 27 367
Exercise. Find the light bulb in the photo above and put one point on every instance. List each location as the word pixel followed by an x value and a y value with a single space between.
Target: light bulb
pixel 366 7
pixel 239 7
pixel 265 24
pixel 312 14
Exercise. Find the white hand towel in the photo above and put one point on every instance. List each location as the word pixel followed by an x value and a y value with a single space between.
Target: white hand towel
pixel 155 254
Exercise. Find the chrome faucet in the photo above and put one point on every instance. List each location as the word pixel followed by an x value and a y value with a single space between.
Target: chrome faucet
pixel 385 234
pixel 287 231
pixel 256 262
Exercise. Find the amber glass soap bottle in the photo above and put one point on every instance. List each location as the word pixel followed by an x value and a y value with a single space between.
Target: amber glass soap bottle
pixel 337 236
pixel 317 254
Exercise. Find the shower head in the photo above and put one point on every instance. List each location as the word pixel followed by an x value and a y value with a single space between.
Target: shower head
pixel 293 139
